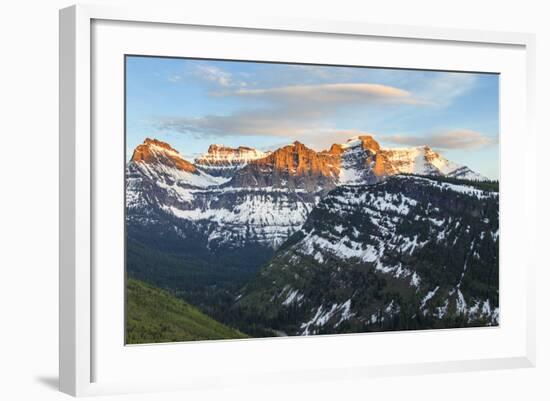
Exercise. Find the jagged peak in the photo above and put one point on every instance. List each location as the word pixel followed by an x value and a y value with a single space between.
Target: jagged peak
pixel 420 159
pixel 367 142
pixel 217 153
pixel 216 147
pixel 154 151
pixel 158 143
pixel 335 149
pixel 295 146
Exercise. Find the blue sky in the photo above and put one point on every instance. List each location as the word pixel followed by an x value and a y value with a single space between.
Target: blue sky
pixel 194 103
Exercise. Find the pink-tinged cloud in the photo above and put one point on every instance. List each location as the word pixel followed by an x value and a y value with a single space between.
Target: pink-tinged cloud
pixel 453 139
pixel 290 110
pixel 332 94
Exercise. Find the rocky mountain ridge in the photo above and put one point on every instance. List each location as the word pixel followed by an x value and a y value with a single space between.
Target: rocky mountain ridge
pixel 354 238
pixel 241 194
pixel 223 160
pixel 297 160
pixel 376 257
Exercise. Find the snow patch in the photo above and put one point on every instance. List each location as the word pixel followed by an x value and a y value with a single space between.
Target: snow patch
pixel 428 296
pixel 292 297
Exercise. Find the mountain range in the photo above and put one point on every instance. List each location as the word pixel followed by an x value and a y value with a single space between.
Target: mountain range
pixel 357 237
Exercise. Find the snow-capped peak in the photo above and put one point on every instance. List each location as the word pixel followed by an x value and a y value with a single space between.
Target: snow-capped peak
pixel 363 151
pixel 225 155
pixel 153 151
pixel 159 162
pixel 423 160
pixel 365 141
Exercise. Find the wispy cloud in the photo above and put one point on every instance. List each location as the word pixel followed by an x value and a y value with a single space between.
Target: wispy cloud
pixel 215 74
pixel 303 111
pixel 245 123
pixel 291 111
pixel 175 77
pixel 333 94
pixel 463 139
pixel 442 89
pixel 209 73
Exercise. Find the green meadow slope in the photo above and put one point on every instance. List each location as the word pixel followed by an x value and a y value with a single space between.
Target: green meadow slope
pixel 155 316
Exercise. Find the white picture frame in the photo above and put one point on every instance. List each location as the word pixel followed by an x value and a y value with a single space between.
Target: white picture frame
pixel 82 343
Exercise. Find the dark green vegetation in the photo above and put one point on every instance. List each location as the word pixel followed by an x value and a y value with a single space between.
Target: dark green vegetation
pixel 488 185
pixel 154 316
pixel 208 281
pixel 172 254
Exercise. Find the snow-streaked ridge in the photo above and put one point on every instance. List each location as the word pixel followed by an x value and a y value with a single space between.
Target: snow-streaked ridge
pixel 220 154
pixel 420 160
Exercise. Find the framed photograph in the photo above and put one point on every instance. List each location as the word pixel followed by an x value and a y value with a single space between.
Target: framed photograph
pixel 273 201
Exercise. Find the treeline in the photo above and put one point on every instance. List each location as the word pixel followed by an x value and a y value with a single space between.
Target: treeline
pixel 488 185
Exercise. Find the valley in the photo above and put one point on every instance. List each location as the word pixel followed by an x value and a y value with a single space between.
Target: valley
pixel 294 241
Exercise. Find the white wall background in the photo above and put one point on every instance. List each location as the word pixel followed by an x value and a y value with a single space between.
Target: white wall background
pixel 29 200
